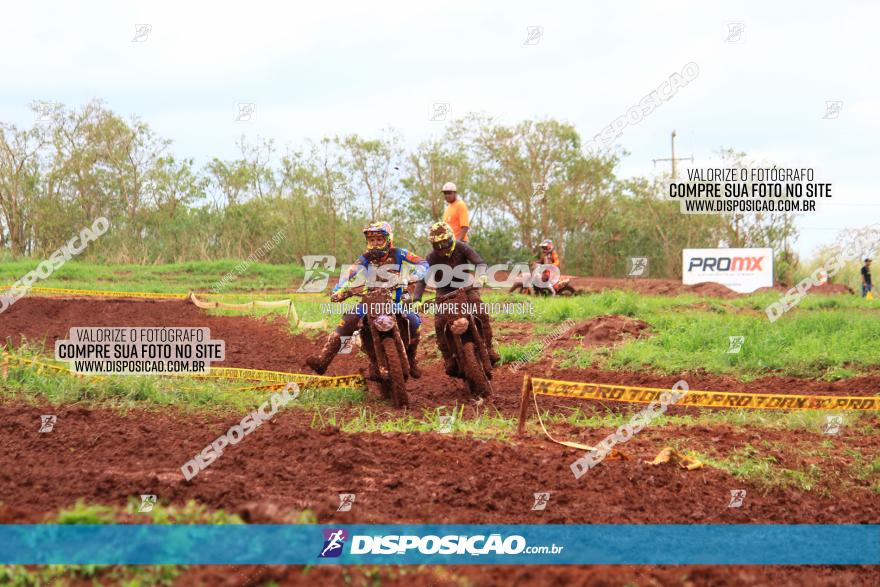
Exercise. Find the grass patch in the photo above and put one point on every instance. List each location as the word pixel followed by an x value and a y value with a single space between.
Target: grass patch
pixel 82 513
pixel 864 469
pixel 190 513
pixel 578 357
pixel 131 575
pixel 819 344
pixel 749 464
pixel 810 420
pixel 823 339
pixel 167 278
pixel 60 575
pixel 519 353
pixel 32 384
pixel 442 419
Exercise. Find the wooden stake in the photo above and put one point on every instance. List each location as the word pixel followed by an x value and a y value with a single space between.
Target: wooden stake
pixel 525 397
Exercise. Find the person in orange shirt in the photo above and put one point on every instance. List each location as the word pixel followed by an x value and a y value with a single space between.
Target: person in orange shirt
pixel 456 214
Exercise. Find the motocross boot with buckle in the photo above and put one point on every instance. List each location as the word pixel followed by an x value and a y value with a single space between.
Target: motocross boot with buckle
pixel 411 351
pixel 319 363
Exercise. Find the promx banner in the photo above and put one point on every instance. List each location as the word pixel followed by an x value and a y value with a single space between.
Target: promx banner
pixel 742 270
pixel 259 544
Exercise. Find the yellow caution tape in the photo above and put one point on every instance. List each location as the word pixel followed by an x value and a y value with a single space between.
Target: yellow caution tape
pixel 245 306
pixel 280 378
pixel 550 436
pixel 89 292
pixel 291 309
pixel 711 399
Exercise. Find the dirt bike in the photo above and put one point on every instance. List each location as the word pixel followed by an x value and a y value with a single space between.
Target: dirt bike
pixel 532 285
pixel 465 336
pixel 384 338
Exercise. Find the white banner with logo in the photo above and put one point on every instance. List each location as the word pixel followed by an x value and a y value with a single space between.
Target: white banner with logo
pixel 742 270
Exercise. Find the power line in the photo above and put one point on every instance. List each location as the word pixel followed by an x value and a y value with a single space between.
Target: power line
pixel 673 159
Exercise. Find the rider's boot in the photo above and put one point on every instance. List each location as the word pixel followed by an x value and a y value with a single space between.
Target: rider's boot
pixel 319 363
pixel 449 363
pixel 411 350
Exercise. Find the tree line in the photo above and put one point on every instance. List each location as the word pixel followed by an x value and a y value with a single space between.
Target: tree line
pixel 522 182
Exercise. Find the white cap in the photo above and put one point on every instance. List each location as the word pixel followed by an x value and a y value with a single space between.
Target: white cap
pixel 449 187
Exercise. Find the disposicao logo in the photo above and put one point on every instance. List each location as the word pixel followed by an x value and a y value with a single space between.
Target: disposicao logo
pixel 443 545
pixel 432 544
pixel 334 539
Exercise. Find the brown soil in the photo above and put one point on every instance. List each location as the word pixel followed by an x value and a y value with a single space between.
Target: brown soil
pixel 605 331
pixel 287 466
pixel 249 342
pixel 481 576
pixel 671 287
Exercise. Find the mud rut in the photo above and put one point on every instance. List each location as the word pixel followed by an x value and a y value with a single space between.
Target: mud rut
pixel 287 466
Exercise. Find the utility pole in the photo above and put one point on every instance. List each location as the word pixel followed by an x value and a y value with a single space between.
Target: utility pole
pixel 674 159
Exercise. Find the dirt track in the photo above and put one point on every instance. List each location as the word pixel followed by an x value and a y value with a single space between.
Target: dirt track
pixel 287 466
pixel 261 344
pixel 671 287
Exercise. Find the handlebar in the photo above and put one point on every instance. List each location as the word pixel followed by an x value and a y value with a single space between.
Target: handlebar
pixel 361 290
pixel 450 295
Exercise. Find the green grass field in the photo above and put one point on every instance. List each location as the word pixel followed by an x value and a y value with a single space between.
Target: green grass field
pixel 170 278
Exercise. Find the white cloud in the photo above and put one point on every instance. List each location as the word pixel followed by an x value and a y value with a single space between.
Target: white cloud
pixel 317 69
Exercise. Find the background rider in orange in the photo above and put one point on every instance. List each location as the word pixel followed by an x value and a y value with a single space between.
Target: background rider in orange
pixel 456 214
pixel 548 256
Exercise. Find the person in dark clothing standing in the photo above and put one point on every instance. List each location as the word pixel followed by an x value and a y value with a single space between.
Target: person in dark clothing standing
pixel 866 277
pixel 451 253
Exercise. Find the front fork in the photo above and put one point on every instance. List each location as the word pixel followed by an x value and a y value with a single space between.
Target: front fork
pixel 481 346
pixel 478 341
pixel 379 353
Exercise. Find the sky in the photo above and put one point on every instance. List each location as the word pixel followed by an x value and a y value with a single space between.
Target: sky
pixel 320 69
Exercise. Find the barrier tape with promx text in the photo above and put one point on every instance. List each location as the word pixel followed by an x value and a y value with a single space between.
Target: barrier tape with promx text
pixel 710 399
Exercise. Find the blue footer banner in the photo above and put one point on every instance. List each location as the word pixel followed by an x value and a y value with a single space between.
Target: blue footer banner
pixel 616 544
